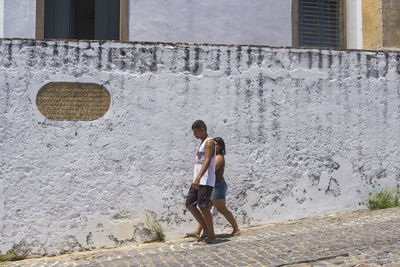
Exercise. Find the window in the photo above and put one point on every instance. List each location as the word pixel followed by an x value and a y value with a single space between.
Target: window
pixel 82 19
pixel 319 23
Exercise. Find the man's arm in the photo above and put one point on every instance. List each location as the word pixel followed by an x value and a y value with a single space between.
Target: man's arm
pixel 209 153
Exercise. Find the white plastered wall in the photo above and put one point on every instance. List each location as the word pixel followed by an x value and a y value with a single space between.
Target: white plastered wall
pixel 1 18
pixel 258 22
pixel 354 24
pixel 19 18
pixel 308 132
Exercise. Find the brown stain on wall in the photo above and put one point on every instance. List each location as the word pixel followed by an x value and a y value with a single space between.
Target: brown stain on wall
pixel 32 58
pixel 228 62
pixel 398 64
pixel 320 60
pixel 77 54
pixel 238 56
pixel 218 60
pixel 372 66
pixel 55 50
pixel 10 53
pixel 153 65
pixel 310 59
pixel 260 57
pixel 66 50
pixel 187 58
pixel 110 58
pixel 261 109
pixel 249 56
pixel 196 68
pixel 100 57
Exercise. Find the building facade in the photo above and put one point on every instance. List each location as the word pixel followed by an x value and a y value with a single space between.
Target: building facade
pixel 256 22
pixel 344 24
pixel 308 131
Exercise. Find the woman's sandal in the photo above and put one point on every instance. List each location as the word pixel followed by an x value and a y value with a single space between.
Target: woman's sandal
pixel 192 235
pixel 235 233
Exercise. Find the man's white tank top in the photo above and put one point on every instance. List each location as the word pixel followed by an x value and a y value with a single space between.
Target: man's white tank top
pixel 209 176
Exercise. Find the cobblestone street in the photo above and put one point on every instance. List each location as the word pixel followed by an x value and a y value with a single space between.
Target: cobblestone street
pixel 361 238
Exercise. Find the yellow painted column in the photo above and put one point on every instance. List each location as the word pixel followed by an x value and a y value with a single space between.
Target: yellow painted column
pixel 391 24
pixel 381 24
pixel 372 24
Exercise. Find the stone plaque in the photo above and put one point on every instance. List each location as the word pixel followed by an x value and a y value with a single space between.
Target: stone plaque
pixel 73 101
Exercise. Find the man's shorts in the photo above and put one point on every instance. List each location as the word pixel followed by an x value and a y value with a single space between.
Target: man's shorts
pixel 200 197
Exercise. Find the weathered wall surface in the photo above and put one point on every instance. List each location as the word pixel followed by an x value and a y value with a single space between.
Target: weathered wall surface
pixel 308 132
pixel 261 22
pixel 1 18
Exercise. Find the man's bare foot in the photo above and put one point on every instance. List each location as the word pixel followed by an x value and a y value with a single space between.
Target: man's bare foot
pixel 208 241
pixel 194 234
pixel 202 237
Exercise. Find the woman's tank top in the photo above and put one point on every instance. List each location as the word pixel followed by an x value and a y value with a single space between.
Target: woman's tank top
pixel 209 176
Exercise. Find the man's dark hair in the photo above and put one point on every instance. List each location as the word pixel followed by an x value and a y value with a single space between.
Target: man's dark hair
pixel 198 125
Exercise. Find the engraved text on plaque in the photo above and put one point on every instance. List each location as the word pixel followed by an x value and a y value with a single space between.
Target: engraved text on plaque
pixel 73 101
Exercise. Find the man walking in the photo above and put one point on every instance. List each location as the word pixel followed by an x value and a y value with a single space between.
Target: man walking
pixel 203 181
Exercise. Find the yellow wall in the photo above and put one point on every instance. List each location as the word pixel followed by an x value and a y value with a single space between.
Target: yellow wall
pixel 391 24
pixel 372 24
pixel 381 24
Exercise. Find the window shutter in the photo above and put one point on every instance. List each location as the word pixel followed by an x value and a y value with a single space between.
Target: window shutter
pixel 82 19
pixel 57 19
pixel 107 20
pixel 320 23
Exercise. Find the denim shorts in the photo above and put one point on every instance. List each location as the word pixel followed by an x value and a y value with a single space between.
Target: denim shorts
pixel 219 191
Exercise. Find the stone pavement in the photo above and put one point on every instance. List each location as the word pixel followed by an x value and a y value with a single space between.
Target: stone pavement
pixel 361 238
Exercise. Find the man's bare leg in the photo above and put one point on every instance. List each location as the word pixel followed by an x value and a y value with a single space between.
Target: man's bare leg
pixel 199 217
pixel 199 227
pixel 209 224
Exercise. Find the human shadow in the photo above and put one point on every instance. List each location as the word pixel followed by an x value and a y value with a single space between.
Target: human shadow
pixel 223 236
pixel 218 241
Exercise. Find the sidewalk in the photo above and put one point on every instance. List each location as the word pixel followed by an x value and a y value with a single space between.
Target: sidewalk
pixel 361 238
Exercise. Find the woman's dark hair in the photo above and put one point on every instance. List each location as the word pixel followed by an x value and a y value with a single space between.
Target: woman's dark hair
pixel 198 125
pixel 221 144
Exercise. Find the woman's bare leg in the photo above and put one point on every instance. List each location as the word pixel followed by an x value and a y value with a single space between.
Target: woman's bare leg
pixel 198 230
pixel 220 204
